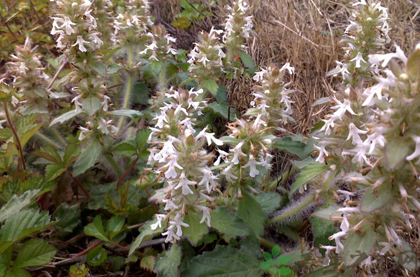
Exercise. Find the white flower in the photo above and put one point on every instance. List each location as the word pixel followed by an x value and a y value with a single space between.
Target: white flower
pixel 358 59
pixel 342 108
pixel 237 152
pixel 184 184
pixel 354 134
pixel 252 163
pixel 159 221
pixel 105 125
pixel 208 179
pixel 377 58
pixel 345 225
pixel 171 172
pixel 322 153
pixel 287 67
pixel 416 152
pixel 337 237
pixel 206 215
pixel 80 41
pixel 179 223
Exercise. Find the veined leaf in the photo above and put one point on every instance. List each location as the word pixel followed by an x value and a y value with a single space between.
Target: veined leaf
pixel 357 248
pixel 228 224
pixel 66 116
pixel 96 229
pixel 252 214
pixel 52 171
pixel 88 158
pixel 115 225
pixel 307 174
pixel 211 86
pixel 196 230
pixel 16 204
pixel 35 252
pixel 91 104
pixel 168 262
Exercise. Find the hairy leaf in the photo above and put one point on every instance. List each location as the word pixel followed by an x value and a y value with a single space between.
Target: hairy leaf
pixel 168 262
pixel 196 230
pixel 228 224
pixel 252 214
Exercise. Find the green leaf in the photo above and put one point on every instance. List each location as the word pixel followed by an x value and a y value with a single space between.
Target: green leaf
pixel 181 22
pixel 265 265
pixel 327 213
pixel 396 152
pixel 357 248
pixel 146 233
pixel 268 257
pixel 284 271
pixel 228 224
pixel 224 262
pixel 115 225
pixel 125 149
pixel 29 133
pixel 148 263
pixel 66 116
pixel 223 109
pixel 168 262
pixel 99 67
pixel 91 104
pixel 322 229
pixel 52 171
pixel 141 138
pixel 79 270
pixel 287 144
pixel 16 204
pixel 96 229
pixel 126 112
pixel 96 256
pixel 17 273
pixel 211 86
pixel 248 61
pixel 322 100
pixel 5 134
pixel 283 260
pixel 375 200
pixel 252 214
pixel 156 66
pixel 221 94
pixel 140 93
pixel 406 258
pixel 50 154
pixel 275 251
pixel 269 201
pixel 113 68
pixel 35 252
pixel 413 65
pixel 307 174
pixel 68 218
pixel 71 154
pixel 88 158
pixel 20 225
pixel 196 230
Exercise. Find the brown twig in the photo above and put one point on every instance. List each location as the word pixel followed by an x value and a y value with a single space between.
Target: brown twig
pixel 9 121
pixel 58 72
pixel 78 184
pixel 89 248
pixel 126 173
pixel 114 86
pixel 76 237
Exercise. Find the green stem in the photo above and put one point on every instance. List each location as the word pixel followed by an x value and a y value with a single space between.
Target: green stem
pixel 114 164
pixel 284 176
pixel 266 243
pixel 47 140
pixel 309 199
pixel 129 87
pixel 59 137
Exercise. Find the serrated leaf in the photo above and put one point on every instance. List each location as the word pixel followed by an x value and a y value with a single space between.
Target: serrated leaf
pixel 148 263
pixel 71 154
pixel 283 260
pixel 126 149
pixel 307 174
pixel 265 265
pixel 375 200
pixel 88 158
pixel 79 270
pixel 20 225
pixel 252 214
pixel 126 112
pixel 91 104
pixel 146 233
pixel 68 218
pixel 357 247
pixel 284 271
pixel 396 152
pixel 223 109
pixel 196 230
pixel 17 273
pixel 248 61
pixel 168 262
pixel 96 229
pixel 16 204
pixel 322 229
pixel 115 225
pixel 52 171
pixel 96 256
pixel 211 86
pixel 34 252
pixel 269 201
pixel 228 224
pixel 142 137
pixel 5 134
pixel 66 116
pixel 268 257
pixel 50 154
pixel 224 262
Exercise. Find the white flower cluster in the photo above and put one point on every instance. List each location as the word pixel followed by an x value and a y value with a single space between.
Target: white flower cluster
pixel 238 26
pixel 75 25
pixel 159 46
pixel 182 161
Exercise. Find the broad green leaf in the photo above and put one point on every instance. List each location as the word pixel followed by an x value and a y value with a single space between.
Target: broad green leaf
pixel 125 149
pixel 196 230
pixel 52 171
pixel 413 65
pixel 181 22
pixel 68 218
pixel 99 67
pixel 268 257
pixel 284 271
pixel 71 154
pixel 22 224
pixel 115 225
pixel 142 137
pixel 148 263
pixel 66 116
pixel 224 261
pixel 29 133
pixel 406 258
pixel 248 61
pixel 96 256
pixel 228 224
pixel 96 229
pixel 269 201
pixel 16 204
pixel 396 152
pixel 140 93
pixel 113 68
pixel 211 86
pixel 35 252
pixel 252 214
pixel 322 229
pixel 126 112
pixel 91 104
pixel 357 247
pixel 287 144
pixel 283 260
pixel 146 233
pixel 223 109
pixel 17 273
pixel 307 174
pixel 88 158
pixel 275 251
pixel 221 94
pixel 156 66
pixel 375 200
pixel 168 262
pixel 5 134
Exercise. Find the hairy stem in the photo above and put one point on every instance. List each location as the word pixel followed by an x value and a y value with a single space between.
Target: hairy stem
pixel 59 137
pixel 306 202
pixel 47 139
pixel 129 87
pixel 9 121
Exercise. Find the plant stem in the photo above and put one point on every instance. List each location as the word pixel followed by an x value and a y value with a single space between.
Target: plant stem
pixel 129 86
pixel 114 164
pixel 89 248
pixel 266 243
pixel 9 121
pixel 59 137
pixel 65 61
pixel 79 184
pixel 284 176
pixel 294 210
pixel 126 173
pixel 47 139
